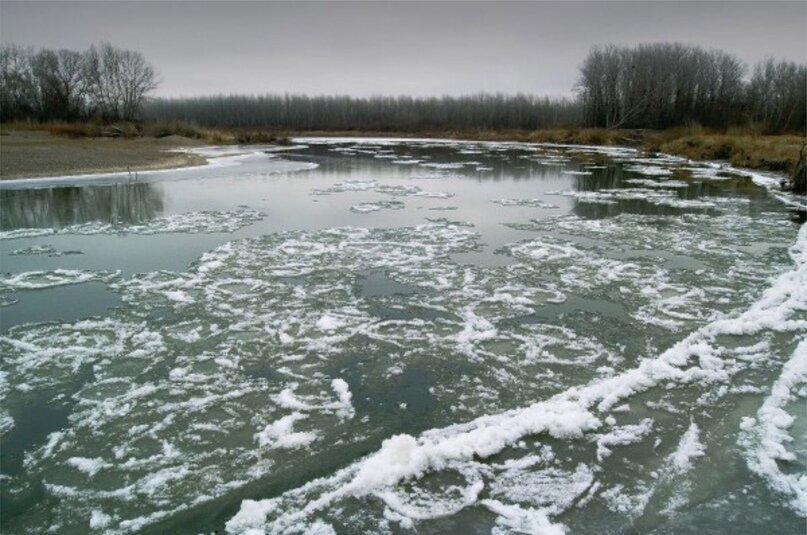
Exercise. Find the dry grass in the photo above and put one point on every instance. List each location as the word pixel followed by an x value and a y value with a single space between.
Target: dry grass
pixel 213 135
pixel 260 136
pixel 159 130
pixel 582 136
pixel 20 126
pixel 74 130
pixel 740 147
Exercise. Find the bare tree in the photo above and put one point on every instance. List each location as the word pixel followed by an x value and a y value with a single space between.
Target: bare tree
pixel 301 112
pixel 777 96
pixel 119 80
pixel 137 80
pixel 656 85
pixel 70 75
pixel 61 83
pixel 660 85
pixel 18 88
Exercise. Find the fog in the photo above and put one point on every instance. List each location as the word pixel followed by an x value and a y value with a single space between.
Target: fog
pixel 415 48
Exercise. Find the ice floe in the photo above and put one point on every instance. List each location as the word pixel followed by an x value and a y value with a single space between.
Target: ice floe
pixel 207 221
pixel 268 352
pixel 367 207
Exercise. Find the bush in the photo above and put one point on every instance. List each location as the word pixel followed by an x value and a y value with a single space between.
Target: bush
pixel 75 130
pixel 259 136
pixel 176 128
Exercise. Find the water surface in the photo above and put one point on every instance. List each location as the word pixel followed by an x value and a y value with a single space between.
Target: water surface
pixel 381 335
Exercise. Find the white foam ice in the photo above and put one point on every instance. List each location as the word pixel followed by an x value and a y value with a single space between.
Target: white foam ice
pixel 347 185
pixel 395 190
pixel 533 203
pixel 689 447
pixel 650 183
pixel 649 170
pixel 627 502
pixel 549 489
pixel 653 196
pixel 343 406
pixel 99 520
pixel 88 466
pixel 571 413
pixel 620 436
pixel 6 420
pixel 329 323
pixel 37 280
pixel 433 194
pixel 367 207
pixel 451 165
pixel 476 329
pixel 206 222
pixel 280 434
pixel 264 324
pixel 35 250
pixel 516 519
pixel 765 437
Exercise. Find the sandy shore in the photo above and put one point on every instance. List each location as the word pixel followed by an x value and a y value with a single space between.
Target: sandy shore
pixel 30 154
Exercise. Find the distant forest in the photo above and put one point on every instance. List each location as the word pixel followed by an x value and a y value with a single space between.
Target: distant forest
pixel 405 114
pixel 652 86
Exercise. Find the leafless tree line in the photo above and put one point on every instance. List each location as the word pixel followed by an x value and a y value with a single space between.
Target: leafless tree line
pixel 654 86
pixel 668 84
pixel 103 81
pixel 301 112
pixel 648 86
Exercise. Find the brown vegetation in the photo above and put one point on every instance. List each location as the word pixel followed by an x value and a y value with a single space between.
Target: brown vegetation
pixel 742 147
pixel 739 147
pixel 158 130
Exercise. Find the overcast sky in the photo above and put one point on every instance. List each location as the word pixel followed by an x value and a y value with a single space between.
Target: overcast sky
pixel 416 48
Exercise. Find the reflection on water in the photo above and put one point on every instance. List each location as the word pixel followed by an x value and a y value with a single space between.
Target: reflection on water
pixel 615 178
pixel 435 162
pixel 60 207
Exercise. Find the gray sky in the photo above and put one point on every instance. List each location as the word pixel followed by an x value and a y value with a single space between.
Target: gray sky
pixel 416 48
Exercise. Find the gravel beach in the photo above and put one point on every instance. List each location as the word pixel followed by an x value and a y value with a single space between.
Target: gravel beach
pixel 30 154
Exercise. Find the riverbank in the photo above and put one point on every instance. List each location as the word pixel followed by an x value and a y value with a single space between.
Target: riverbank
pixel 35 153
pixel 31 150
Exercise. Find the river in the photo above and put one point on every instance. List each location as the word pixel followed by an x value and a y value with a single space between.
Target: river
pixel 380 335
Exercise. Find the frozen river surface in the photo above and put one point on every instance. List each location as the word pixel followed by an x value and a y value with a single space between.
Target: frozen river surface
pixel 379 336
